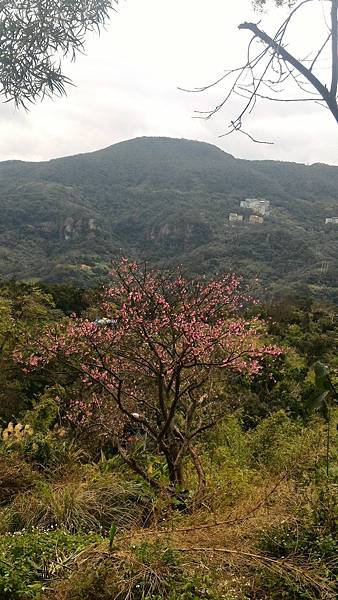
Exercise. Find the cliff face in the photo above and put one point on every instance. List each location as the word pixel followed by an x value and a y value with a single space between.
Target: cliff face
pixel 74 229
pixel 68 229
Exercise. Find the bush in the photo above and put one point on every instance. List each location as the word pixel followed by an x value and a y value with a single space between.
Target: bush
pixel 48 451
pixel 279 443
pixel 313 532
pixel 311 540
pixel 30 559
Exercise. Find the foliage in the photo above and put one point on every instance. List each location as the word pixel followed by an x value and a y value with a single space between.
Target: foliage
pixel 24 310
pixel 151 359
pixel 151 570
pixel 15 476
pixel 29 559
pixel 327 394
pixel 33 35
pixel 63 220
pixel 237 460
pixel 77 522
pixel 311 539
pixel 307 331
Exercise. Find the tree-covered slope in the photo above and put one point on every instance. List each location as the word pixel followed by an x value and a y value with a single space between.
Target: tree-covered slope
pixel 169 201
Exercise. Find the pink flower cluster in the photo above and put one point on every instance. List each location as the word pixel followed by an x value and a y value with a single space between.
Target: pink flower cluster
pixel 157 332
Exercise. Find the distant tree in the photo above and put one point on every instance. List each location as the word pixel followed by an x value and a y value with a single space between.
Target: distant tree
pixel 151 360
pixel 270 65
pixel 24 310
pixel 35 35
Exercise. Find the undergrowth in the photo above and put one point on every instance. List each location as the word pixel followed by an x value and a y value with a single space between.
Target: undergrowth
pixel 265 530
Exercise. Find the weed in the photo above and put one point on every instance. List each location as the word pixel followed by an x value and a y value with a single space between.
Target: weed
pixel 309 539
pixel 29 559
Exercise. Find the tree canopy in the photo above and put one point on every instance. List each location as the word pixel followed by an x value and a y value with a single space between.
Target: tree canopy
pixel 34 38
pixel 151 359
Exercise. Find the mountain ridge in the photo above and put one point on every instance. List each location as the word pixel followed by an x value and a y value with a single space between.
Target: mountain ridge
pixel 168 199
pixel 169 139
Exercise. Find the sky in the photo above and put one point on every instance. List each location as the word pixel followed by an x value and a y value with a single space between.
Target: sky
pixel 127 85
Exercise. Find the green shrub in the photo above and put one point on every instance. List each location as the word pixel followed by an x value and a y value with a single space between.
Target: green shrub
pixel 279 443
pixel 45 411
pixel 46 450
pixel 311 540
pixel 314 530
pixel 230 437
pixel 28 560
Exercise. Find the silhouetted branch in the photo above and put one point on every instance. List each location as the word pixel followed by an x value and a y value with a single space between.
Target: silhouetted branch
pixel 273 67
pixel 330 100
pixel 334 17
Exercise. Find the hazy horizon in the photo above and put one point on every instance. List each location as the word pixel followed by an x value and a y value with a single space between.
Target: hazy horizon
pixel 126 86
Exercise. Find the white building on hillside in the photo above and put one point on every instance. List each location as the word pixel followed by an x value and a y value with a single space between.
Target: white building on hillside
pixel 234 217
pixel 258 205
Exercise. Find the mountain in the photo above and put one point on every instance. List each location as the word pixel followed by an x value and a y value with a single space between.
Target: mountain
pixel 169 200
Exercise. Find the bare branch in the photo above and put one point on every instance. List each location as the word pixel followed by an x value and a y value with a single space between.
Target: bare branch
pixel 287 57
pixel 240 130
pixel 319 52
pixel 272 67
pixel 334 25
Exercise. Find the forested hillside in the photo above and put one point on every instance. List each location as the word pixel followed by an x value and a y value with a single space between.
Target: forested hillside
pixel 169 201
pixel 159 439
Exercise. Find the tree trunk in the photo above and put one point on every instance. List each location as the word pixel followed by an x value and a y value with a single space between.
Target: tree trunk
pixel 201 476
pixel 175 471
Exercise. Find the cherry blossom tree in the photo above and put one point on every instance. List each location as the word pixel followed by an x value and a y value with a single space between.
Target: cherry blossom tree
pixel 152 359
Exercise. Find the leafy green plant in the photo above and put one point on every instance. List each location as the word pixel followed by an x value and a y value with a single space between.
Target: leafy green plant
pixel 280 444
pixel 45 450
pixel 30 559
pixel 112 533
pixel 326 397
pixel 15 476
pixel 44 413
pixel 310 540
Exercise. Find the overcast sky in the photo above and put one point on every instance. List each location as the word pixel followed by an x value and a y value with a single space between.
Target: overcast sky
pixel 126 86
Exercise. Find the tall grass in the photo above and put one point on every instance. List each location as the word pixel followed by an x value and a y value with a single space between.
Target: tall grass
pixel 80 505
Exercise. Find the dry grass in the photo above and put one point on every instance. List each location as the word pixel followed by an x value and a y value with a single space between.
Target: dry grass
pixel 221 540
pixel 225 544
pixel 221 545
pixel 80 505
pixel 15 477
